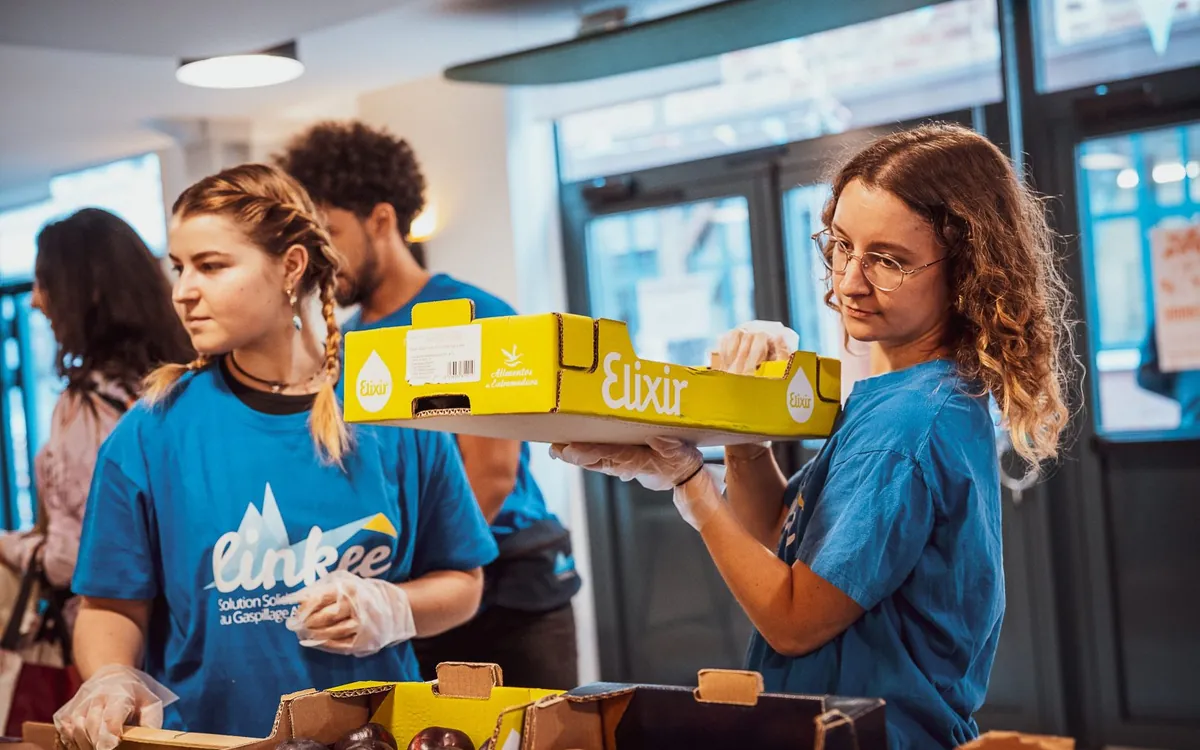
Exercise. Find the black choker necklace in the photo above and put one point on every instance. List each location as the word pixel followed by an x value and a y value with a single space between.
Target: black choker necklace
pixel 275 385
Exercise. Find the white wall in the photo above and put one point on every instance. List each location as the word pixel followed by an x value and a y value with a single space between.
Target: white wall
pixel 460 135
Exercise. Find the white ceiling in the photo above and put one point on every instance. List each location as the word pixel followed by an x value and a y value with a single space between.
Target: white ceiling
pixel 81 81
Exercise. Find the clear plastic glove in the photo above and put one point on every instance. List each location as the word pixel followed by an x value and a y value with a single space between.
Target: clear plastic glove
pixel 113 697
pixel 345 614
pixel 663 464
pixel 743 349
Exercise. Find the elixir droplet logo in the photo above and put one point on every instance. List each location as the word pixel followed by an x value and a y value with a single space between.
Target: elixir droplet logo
pixel 800 397
pixel 374 385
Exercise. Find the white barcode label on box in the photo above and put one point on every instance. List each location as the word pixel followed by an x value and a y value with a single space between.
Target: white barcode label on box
pixel 443 355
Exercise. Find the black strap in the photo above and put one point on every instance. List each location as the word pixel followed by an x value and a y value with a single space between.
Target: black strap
pixel 112 401
pixel 12 631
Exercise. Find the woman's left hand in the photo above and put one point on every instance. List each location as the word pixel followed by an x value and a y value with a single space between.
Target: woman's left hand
pixel 345 614
pixel 661 465
pixel 664 464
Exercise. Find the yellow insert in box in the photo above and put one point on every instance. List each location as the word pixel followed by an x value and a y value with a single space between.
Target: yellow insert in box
pixel 497 714
pixel 559 378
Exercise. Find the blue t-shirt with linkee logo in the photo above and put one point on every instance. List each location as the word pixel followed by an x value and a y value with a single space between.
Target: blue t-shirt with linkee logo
pixel 214 511
pixel 900 511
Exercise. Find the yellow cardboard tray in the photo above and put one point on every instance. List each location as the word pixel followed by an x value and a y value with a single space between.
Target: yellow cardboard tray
pixel 557 377
pixel 467 697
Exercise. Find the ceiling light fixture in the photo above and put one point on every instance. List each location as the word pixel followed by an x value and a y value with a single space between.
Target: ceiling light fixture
pixel 266 68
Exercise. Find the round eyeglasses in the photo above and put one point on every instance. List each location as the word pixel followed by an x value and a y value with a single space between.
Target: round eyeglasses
pixel 883 272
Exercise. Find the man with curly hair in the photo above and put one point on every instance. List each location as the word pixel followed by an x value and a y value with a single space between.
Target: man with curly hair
pixel 369 186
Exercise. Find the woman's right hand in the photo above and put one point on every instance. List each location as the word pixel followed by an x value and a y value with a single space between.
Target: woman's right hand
pixel 114 696
pixel 743 349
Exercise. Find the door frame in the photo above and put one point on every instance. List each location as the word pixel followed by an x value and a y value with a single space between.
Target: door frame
pixel 1080 521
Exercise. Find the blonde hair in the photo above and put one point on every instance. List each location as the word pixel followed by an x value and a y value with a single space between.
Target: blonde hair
pixel 276 214
pixel 1010 328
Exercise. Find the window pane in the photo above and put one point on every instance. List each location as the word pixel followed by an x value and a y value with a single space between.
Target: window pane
pixel 1120 281
pixel 935 59
pixel 1081 42
pixel 819 327
pixel 685 279
pixel 130 188
pixel 1131 185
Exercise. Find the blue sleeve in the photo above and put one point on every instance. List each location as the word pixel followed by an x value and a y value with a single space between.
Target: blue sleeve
pixel 451 531
pixel 118 551
pixel 869 526
pixel 796 484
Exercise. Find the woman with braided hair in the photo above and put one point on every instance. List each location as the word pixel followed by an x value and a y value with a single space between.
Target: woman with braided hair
pixel 240 543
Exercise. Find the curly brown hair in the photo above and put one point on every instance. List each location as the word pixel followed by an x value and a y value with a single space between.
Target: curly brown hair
pixel 1010 328
pixel 351 166
pixel 275 213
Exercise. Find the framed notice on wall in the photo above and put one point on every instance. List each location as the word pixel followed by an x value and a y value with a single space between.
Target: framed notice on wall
pixel 1175 256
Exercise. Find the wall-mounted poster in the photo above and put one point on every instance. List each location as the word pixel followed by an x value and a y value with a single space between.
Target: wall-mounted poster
pixel 1175 255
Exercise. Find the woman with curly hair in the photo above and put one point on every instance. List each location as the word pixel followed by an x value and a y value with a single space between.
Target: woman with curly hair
pixel 877 569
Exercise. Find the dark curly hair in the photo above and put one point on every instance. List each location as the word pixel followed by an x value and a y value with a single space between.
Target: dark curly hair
pixel 351 166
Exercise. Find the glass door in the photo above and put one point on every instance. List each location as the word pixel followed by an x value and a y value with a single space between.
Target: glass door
pixel 29 387
pixel 680 275
pixel 682 257
pixel 1139 227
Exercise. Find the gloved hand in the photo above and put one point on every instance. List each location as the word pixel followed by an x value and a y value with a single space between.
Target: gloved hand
pixel 664 464
pixel 743 349
pixel 344 614
pixel 114 696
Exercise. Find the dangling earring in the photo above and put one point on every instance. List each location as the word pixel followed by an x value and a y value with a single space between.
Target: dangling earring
pixel 295 313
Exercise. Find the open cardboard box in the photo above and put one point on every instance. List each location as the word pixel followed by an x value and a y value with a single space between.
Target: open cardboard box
pixel 554 378
pixel 728 711
pixel 467 697
pixel 1017 741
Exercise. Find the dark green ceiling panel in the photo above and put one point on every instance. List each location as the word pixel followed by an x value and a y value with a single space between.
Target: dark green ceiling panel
pixel 692 35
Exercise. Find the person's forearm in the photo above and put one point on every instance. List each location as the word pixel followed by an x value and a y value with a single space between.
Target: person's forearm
pixel 60 553
pixel 490 493
pixel 787 604
pixel 754 486
pixel 105 635
pixel 443 599
pixel 492 466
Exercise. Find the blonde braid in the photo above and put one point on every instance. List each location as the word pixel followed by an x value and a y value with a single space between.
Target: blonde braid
pixel 161 382
pixel 328 428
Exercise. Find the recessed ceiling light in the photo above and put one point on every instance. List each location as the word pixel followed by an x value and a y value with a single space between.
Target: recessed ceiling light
pixel 266 68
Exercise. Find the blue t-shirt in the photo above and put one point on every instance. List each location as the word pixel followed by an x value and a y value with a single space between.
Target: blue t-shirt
pixel 525 506
pixel 213 511
pixel 900 511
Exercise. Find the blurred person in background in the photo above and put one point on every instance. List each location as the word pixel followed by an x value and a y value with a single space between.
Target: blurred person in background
pixel 369 187
pixel 109 306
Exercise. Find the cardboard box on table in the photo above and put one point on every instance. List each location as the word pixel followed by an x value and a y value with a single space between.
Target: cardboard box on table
pixel 1018 741
pixel 467 697
pixel 727 711
pixel 557 377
